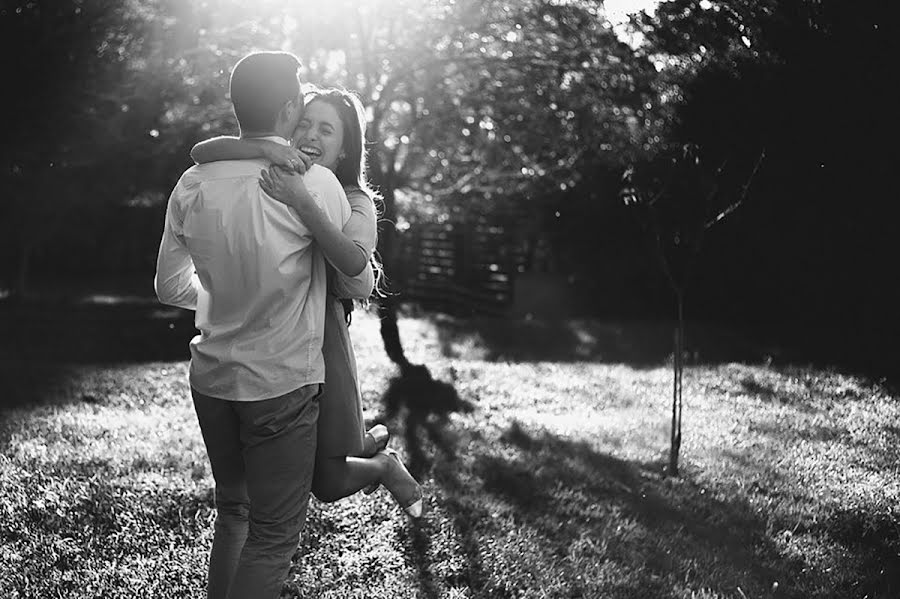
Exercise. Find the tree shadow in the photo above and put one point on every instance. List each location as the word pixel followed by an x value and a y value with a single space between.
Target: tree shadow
pixel 43 343
pixel 637 343
pixel 564 489
pixel 813 396
pixel 767 392
pixel 424 406
pixel 105 329
pixel 654 529
pixel 646 343
pixel 869 538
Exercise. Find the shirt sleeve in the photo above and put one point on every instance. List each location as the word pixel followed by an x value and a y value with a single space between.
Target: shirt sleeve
pixel 359 287
pixel 362 225
pixel 328 193
pixel 361 228
pixel 176 282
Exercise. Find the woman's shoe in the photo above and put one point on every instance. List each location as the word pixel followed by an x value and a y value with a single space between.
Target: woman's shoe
pixel 414 503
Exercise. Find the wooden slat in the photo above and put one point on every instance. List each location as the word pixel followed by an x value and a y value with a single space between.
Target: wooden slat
pixel 461 266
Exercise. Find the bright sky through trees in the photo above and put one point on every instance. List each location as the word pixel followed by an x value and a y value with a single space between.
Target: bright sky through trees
pixel 617 12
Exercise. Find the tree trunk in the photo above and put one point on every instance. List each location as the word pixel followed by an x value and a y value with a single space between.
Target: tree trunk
pixel 678 371
pixel 390 334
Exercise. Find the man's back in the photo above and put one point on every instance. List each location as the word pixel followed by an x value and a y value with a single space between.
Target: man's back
pixel 260 300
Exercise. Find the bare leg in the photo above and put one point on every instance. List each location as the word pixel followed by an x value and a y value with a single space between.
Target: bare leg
pixel 342 476
pixel 339 477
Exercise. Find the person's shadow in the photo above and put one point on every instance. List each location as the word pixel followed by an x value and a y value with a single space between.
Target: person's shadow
pixel 425 405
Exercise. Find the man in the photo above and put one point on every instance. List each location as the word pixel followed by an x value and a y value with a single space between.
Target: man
pixel 249 268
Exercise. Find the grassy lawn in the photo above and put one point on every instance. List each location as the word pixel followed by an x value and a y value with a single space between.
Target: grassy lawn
pixel 542 453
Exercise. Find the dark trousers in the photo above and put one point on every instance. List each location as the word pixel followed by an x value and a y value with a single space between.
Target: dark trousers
pixel 262 455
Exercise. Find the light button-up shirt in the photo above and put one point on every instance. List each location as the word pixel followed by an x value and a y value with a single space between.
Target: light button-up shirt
pixel 249 267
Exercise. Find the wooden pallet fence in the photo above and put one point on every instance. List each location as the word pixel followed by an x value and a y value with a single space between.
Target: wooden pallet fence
pixel 465 268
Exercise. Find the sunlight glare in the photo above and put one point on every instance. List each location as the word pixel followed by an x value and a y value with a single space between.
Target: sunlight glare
pixel 617 12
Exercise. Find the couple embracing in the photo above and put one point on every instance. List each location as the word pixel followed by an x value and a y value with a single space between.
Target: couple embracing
pixel 267 237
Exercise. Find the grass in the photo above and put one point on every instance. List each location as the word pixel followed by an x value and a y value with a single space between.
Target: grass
pixel 542 456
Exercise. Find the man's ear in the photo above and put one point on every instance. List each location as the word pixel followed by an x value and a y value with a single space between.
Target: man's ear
pixel 287 111
pixel 284 112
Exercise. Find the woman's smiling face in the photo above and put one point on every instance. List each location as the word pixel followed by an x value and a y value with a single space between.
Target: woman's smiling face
pixel 320 134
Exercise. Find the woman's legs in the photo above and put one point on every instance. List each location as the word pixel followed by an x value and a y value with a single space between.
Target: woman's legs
pixel 341 476
pixel 338 477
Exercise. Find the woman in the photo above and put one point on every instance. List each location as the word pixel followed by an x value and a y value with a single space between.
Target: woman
pixel 331 134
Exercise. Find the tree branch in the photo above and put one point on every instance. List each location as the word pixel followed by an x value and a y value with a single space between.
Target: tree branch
pixel 745 191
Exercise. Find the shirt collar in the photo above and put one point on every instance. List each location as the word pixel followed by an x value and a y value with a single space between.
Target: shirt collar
pixel 276 138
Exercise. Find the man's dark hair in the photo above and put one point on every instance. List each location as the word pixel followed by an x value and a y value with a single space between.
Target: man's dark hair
pixel 261 83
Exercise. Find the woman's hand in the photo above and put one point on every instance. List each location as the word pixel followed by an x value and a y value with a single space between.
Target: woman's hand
pixel 287 157
pixel 287 187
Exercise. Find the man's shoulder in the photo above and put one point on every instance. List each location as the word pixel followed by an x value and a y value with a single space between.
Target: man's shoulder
pixel 319 175
pixel 328 193
pixel 222 175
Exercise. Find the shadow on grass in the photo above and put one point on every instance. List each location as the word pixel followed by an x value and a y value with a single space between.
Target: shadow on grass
pixel 639 344
pixel 424 405
pixel 583 516
pixel 807 402
pixel 563 491
pixel 815 396
pixel 660 528
pixel 41 342
pixel 650 343
pixel 74 535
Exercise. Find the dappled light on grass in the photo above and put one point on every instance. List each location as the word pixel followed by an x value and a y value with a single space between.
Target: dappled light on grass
pixel 84 536
pixel 543 479
pixel 104 488
pixel 815 452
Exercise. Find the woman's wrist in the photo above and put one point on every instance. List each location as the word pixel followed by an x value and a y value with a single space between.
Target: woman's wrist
pixel 267 148
pixel 302 203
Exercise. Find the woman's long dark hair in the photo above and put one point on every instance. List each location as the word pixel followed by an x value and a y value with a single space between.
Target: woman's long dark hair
pixel 351 169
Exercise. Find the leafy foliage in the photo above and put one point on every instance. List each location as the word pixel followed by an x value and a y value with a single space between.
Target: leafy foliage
pixel 471 103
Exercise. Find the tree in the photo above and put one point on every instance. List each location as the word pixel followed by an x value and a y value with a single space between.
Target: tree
pixel 680 199
pixel 83 110
pixel 806 80
pixel 53 107
pixel 476 104
pixel 793 78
